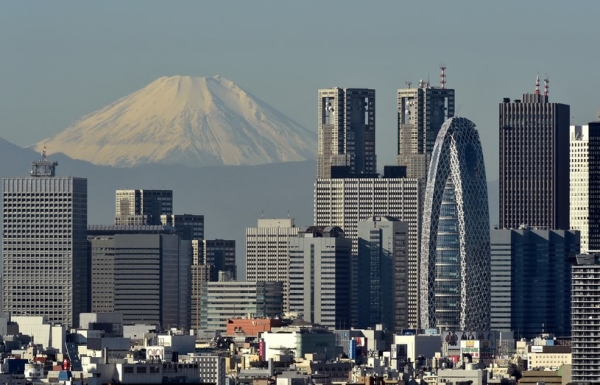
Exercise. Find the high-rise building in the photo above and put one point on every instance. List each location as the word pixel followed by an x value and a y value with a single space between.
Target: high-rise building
pixel 346 202
pixel 585 184
pixel 187 226
pixel 530 280
pixel 421 113
pixel 267 253
pixel 585 302
pixel 383 273
pixel 224 300
pixel 346 131
pixel 142 207
pixel 320 276
pixel 455 240
pixel 534 163
pixel 142 272
pixel 45 264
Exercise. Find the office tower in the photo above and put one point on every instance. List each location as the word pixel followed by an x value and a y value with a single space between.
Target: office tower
pixel 267 253
pixel 585 303
pixel 219 254
pixel 346 131
pixel 455 241
pixel 45 264
pixel 346 202
pixel 320 276
pixel 142 272
pixel 534 163
pixel 585 184
pixel 531 280
pixel 142 207
pixel 224 300
pixel 421 113
pixel 383 273
pixel 187 226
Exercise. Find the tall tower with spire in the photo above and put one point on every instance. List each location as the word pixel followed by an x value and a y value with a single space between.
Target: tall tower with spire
pixel 534 161
pixel 421 113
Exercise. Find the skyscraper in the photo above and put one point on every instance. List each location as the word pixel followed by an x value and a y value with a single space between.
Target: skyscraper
pixel 346 131
pixel 383 273
pixel 530 280
pixel 455 241
pixel 585 319
pixel 142 207
pixel 585 184
pixel 421 113
pixel 187 226
pixel 534 162
pixel 346 202
pixel 142 272
pixel 320 276
pixel 267 253
pixel 45 264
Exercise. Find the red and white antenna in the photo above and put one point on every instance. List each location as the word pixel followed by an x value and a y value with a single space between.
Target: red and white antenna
pixel 537 84
pixel 546 81
pixel 408 84
pixel 443 76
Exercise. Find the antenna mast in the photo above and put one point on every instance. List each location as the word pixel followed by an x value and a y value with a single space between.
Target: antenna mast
pixel 408 84
pixel 546 81
pixel 537 84
pixel 443 76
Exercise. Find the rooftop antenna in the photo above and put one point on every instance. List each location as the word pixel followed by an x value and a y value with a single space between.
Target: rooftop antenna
pixel 262 214
pixel 546 81
pixel 428 84
pixel 537 84
pixel 408 84
pixel 443 76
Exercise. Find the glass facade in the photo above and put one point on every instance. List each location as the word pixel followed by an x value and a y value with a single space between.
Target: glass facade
pixel 455 242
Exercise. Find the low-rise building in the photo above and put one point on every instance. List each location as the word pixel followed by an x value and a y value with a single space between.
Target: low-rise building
pixel 251 327
pixel 299 341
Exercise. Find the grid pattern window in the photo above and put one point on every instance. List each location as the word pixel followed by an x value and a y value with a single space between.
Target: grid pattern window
pixel 346 202
pixel 45 262
pixel 534 162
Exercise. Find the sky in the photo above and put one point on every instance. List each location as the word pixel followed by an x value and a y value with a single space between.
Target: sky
pixel 62 60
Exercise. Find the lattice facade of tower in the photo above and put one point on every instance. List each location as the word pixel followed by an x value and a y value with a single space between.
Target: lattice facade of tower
pixel 421 113
pixel 455 240
pixel 584 207
pixel 534 163
pixel 346 202
pixel 346 131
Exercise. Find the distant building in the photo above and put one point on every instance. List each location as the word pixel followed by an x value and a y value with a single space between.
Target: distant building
pixel 531 280
pixel 421 112
pixel 383 273
pixel 145 277
pixel 142 207
pixel 187 226
pixel 585 184
pixel 251 327
pixel 534 162
pixel 346 202
pixel 320 276
pixel 455 240
pixel 299 341
pixel 346 131
pixel 221 301
pixel 585 320
pixel 45 264
pixel 267 252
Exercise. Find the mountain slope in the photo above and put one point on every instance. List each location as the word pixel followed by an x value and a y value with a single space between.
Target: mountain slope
pixel 189 121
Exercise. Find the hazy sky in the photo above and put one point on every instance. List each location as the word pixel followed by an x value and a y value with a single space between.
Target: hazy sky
pixel 62 60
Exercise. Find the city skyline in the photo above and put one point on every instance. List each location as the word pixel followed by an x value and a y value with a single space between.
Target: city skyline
pixel 78 73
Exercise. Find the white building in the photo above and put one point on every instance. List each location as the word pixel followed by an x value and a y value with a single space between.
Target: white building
pixel 585 184
pixel 298 342
pixel 45 263
pixel 320 276
pixel 267 252
pixel 346 202
pixel 406 348
pixel 42 332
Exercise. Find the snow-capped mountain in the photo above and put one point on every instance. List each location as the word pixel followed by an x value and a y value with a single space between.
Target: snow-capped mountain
pixel 185 120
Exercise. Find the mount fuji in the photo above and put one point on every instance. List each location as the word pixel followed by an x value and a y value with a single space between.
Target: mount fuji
pixel 192 121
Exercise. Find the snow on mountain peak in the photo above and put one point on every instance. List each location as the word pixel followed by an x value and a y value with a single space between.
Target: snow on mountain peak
pixel 195 121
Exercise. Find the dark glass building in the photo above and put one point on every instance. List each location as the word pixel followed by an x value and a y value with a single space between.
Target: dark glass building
pixel 534 163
